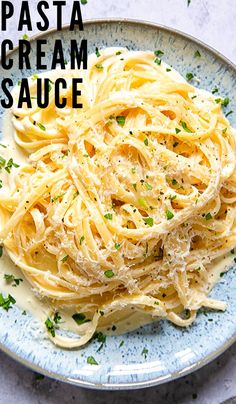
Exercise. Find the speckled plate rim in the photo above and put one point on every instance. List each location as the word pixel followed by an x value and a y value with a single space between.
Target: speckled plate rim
pixel 198 364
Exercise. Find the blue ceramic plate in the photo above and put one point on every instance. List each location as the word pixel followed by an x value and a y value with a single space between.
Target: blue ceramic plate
pixel 172 352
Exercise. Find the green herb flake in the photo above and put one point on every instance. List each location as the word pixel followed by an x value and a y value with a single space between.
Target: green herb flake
pixel 11 164
pixel 100 338
pixel 208 216
pixel 168 70
pixel 2 162
pixel 148 186
pixel 109 273
pixel 35 77
pixel 197 54
pixel 135 187
pixel 99 66
pixel 84 2
pixel 120 120
pixel 117 246
pixel 224 130
pixel 145 141
pixel 148 221
pixel 229 113
pixel 1 251
pixel 177 130
pixel 9 278
pixel 64 259
pixel 6 302
pixel 25 37
pixel 215 90
pixel 222 274
pixel 185 127
pixel 80 318
pixel 81 240
pixel 56 318
pixel 121 343
pixel 118 53
pixel 144 352
pixel 3 145
pixel 169 214
pixel 143 202
pixel 157 61
pixel 158 53
pixel 41 126
pixel 189 76
pixel 91 360
pixel 98 54
pixel 172 197
pixel 174 182
pixel 223 101
pixel 108 216
pixel 57 197
pixel 50 326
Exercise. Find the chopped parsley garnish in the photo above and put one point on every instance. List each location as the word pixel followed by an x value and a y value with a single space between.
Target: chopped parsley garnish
pixel 6 302
pixel 143 202
pixel 168 70
pixel 118 53
pixel 84 2
pixel 12 280
pixel 121 343
pixel 185 127
pixel 145 141
pixel 158 53
pixel 134 186
pixel 144 352
pixel 108 216
pixel 109 273
pixel 3 145
pixel 158 61
pixel 25 36
pixel 11 164
pixel 24 313
pixel 64 259
pixel 117 246
pixel 98 54
pixel 229 113
pixel 189 76
pixel 208 216
pixel 99 66
pixel 224 130
pixel 148 221
pixel 80 318
pixel 57 197
pixel 188 2
pixel 169 215
pixel 0 184
pixel 174 182
pixel 50 326
pixel 223 101
pixel 81 240
pixel 41 126
pixel 1 251
pixel 177 130
pixel 91 360
pixel 148 186
pixel 222 274
pixel 215 90
pixel 172 197
pixel 2 162
pixel 50 85
pixel 133 170
pixel 120 120
pixel 56 318
pixel 197 54
pixel 101 338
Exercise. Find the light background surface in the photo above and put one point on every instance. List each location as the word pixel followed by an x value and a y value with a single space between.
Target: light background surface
pixel 214 22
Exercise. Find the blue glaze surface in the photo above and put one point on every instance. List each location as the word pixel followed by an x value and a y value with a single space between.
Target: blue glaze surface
pixel 172 351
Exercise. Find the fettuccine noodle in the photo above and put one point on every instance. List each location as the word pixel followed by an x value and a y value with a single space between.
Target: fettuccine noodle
pixel 123 204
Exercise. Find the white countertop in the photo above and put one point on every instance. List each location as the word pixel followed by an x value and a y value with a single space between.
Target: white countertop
pixel 214 22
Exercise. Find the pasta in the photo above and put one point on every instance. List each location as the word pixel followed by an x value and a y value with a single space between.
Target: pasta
pixel 125 205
